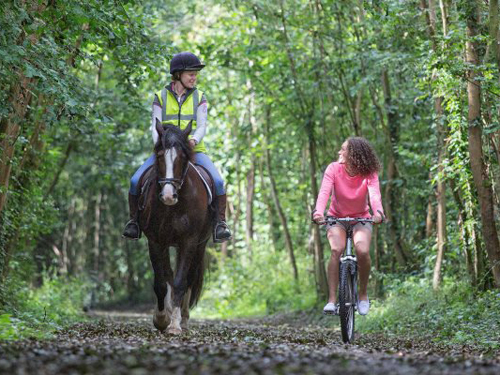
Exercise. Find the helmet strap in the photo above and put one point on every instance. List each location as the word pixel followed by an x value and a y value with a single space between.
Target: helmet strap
pixel 182 84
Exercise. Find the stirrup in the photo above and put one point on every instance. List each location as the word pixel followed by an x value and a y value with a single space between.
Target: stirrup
pixel 228 232
pixel 128 227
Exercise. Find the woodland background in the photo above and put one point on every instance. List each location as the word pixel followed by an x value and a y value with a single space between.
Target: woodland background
pixel 287 82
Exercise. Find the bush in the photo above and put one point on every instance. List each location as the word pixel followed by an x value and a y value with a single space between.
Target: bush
pixel 456 314
pixel 38 312
pixel 263 286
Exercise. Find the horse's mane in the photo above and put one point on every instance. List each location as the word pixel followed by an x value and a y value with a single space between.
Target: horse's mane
pixel 174 137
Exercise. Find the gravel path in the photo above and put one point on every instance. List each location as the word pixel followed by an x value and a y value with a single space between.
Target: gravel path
pixel 130 345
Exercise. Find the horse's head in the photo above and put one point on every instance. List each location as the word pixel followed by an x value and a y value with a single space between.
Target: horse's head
pixel 173 154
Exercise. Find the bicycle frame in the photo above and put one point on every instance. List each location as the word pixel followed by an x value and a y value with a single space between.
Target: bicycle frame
pixel 348 275
pixel 350 257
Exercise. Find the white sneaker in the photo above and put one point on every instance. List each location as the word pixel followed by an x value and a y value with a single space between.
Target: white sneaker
pixel 363 307
pixel 331 309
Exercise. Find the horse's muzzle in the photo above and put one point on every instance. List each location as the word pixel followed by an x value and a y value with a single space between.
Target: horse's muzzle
pixel 168 201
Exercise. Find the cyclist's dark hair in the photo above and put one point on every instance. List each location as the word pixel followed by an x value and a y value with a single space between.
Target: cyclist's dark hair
pixel 361 157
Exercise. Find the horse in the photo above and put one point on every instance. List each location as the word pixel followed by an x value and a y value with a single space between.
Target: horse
pixel 175 213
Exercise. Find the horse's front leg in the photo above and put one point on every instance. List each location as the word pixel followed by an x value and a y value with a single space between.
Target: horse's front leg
pixel 161 266
pixel 181 285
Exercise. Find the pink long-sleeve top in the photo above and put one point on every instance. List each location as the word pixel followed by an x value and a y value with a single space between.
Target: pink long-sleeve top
pixel 349 194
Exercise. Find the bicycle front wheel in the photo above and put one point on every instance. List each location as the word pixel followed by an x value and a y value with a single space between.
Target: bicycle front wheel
pixel 347 301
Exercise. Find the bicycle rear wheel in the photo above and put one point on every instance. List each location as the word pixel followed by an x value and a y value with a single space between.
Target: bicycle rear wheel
pixel 347 300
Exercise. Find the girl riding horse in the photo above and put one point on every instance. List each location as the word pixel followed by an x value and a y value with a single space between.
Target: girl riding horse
pixel 179 103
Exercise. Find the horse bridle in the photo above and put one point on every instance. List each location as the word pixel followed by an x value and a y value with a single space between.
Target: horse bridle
pixel 175 182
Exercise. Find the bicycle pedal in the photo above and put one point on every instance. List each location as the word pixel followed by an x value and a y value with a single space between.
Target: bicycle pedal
pixel 328 313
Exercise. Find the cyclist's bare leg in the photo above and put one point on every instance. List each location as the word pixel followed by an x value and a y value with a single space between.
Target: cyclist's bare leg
pixel 362 237
pixel 336 237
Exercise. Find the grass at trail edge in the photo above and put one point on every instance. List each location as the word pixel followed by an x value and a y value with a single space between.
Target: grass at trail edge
pixel 455 314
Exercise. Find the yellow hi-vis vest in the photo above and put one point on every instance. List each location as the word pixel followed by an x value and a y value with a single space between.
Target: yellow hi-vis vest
pixel 172 114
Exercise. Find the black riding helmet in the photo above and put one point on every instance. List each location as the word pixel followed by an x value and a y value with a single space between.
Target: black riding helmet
pixel 185 61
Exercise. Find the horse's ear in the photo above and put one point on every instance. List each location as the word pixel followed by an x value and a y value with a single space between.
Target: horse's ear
pixel 188 129
pixel 157 131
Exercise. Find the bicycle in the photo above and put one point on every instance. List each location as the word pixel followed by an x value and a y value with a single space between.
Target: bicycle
pixel 348 278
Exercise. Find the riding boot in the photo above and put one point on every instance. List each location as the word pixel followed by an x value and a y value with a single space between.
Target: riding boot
pixel 132 230
pixel 221 230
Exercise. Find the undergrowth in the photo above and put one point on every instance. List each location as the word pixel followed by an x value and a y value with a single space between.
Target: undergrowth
pixel 456 314
pixel 39 312
pixel 262 286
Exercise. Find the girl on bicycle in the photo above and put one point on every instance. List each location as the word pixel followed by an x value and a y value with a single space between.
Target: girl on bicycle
pixel 351 182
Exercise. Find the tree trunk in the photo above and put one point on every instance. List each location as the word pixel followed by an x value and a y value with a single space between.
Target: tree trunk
pixel 19 99
pixel 67 241
pixel 62 164
pixel 376 251
pixel 429 220
pixel 440 195
pixel 97 231
pixel 271 213
pixel 277 204
pixel 235 131
pixel 249 205
pixel 307 111
pixel 443 4
pixel 441 151
pixel 391 191
pixel 318 248
pixel 482 180
pixel 464 232
pixel 494 32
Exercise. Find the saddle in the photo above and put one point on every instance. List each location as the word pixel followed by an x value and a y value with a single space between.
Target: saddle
pixel 207 179
pixel 147 179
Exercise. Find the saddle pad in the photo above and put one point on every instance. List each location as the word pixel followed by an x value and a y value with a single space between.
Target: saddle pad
pixel 207 180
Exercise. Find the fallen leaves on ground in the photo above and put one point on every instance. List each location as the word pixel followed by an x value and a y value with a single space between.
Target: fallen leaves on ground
pixel 130 345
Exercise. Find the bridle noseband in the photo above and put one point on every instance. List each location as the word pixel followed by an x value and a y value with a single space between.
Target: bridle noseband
pixel 175 182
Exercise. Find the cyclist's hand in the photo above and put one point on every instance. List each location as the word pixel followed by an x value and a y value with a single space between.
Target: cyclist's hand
pixel 318 218
pixel 377 218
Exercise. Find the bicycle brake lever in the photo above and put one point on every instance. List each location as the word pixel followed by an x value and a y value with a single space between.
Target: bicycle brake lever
pixel 382 215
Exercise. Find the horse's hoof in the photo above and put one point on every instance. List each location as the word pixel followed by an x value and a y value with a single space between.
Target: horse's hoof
pixel 160 324
pixel 174 331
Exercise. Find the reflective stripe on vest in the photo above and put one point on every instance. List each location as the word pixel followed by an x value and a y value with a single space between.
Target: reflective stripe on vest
pixel 170 111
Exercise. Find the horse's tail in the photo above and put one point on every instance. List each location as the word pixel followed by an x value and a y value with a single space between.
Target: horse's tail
pixel 198 276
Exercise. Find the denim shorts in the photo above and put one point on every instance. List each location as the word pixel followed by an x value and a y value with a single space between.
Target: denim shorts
pixel 344 226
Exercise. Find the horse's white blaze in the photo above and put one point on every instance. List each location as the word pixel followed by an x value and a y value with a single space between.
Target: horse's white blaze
pixel 168 189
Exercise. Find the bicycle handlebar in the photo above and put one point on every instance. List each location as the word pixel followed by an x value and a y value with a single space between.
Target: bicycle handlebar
pixel 332 220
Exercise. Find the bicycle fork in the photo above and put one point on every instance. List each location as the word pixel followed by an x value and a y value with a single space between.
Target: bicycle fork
pixel 349 260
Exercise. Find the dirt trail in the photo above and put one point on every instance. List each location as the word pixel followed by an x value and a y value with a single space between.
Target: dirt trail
pixel 130 345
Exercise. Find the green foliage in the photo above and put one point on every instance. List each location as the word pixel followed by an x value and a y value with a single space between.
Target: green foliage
pixel 260 287
pixel 279 76
pixel 456 314
pixel 38 312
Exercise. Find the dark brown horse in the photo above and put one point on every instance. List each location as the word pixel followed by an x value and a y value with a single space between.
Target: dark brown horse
pixel 175 214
